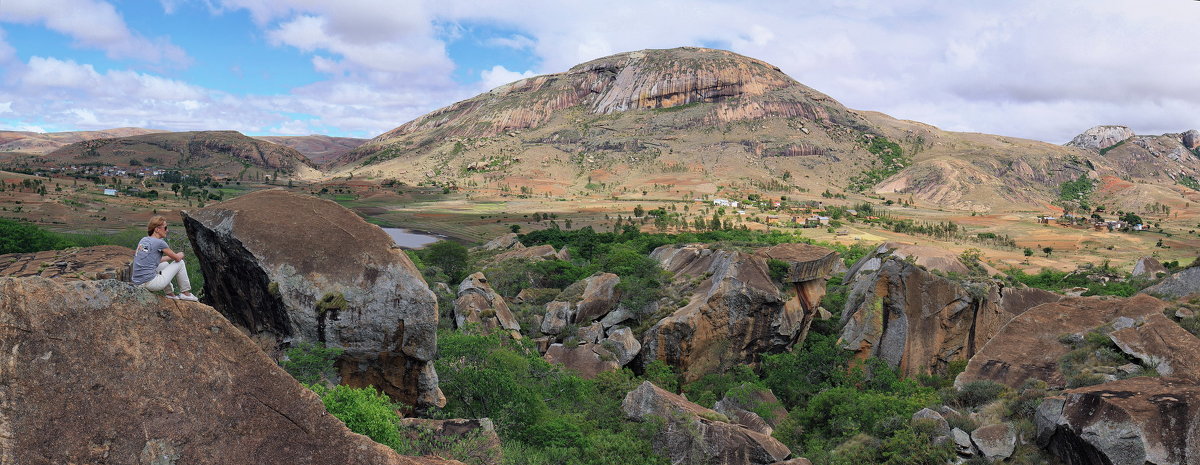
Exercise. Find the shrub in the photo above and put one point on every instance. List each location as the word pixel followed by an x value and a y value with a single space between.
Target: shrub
pixel 798 375
pixel 365 411
pixel 21 237
pixel 976 393
pixel 311 363
pixel 662 375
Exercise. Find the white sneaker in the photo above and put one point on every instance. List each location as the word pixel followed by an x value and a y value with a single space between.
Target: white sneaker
pixel 173 297
pixel 189 297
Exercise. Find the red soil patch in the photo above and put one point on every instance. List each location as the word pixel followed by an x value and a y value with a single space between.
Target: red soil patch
pixel 1113 184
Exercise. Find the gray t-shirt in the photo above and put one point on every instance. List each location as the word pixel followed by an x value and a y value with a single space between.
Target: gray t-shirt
pixel 145 260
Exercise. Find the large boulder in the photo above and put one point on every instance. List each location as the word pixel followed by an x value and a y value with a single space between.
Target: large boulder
pixel 1134 421
pixel 587 359
pixel 693 434
pixel 1191 139
pixel 506 242
pixel 1162 344
pixel 1148 267
pixel 809 268
pixel 735 313
pixel 1028 347
pixel 1180 285
pixel 918 321
pixel 106 372
pixel 305 269
pixel 930 258
pixel 995 442
pixel 600 296
pixel 87 263
pixel 537 252
pixel 1101 137
pixel 478 303
pixel 622 344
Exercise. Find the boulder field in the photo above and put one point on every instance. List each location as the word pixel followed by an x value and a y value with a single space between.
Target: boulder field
pixel 302 269
pixel 105 372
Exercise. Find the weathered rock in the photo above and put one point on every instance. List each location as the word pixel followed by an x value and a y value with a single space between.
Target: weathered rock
pixel 1177 286
pixel 616 317
pixel 558 316
pixel 962 442
pixel 536 295
pixel 506 242
pixel 809 268
pixel 600 296
pixel 586 359
pixel 796 461
pixel 1148 267
pixel 320 273
pixel 87 263
pixel 1028 346
pixel 591 333
pixel 478 303
pixel 1101 137
pixel 1162 344
pixel 741 403
pixel 733 316
pixel 105 372
pixel 995 442
pixel 472 439
pixel 917 321
pixel 694 434
pixel 623 344
pixel 927 414
pixel 1139 421
pixel 931 258
pixel 537 252
pixel 1191 139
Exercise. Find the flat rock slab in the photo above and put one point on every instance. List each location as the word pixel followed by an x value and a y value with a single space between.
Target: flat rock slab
pixel 105 372
pixel 1161 344
pixel 75 264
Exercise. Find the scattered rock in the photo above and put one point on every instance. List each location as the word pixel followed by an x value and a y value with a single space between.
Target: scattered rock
pixel 536 295
pixel 87 363
pixel 1184 313
pixel 615 317
pixel 1028 346
pixel 620 341
pixel 995 442
pixel 478 303
pixel 321 274
pixel 694 434
pixel 472 439
pixel 506 242
pixel 943 427
pixel 1144 420
pixel 1148 267
pixel 87 263
pixel 591 333
pixel 537 252
pixel 962 442
pixel 558 316
pixel 586 359
pixel 1177 286
pixel 599 297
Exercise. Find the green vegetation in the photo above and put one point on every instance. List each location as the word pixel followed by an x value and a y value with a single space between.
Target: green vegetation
pixel 1189 182
pixel 448 257
pixel 1094 357
pixel 1076 191
pixel 311 363
pixel 365 411
pixel 1118 144
pixel 21 237
pixel 890 161
pixel 1059 281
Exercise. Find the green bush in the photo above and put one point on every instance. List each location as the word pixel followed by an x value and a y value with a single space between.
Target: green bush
pixel 450 256
pixel 21 237
pixel 798 375
pixel 977 393
pixel 365 411
pixel 710 388
pixel 311 363
pixel 662 375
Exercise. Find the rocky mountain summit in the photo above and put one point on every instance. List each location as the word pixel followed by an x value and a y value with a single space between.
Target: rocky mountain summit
pixel 319 273
pixel 105 372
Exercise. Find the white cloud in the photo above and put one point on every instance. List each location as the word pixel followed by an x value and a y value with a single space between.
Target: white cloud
pixel 515 42
pixel 499 75
pixel 5 107
pixel 93 24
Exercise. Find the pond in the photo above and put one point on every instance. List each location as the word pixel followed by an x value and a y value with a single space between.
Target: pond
pixel 410 240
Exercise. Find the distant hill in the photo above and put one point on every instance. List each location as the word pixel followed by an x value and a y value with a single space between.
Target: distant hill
pixel 691 121
pixel 318 148
pixel 217 153
pixel 42 143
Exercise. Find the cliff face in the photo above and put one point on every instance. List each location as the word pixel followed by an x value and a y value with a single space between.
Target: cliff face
pixel 1101 137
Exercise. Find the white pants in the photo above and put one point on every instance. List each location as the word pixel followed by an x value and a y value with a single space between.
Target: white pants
pixel 166 271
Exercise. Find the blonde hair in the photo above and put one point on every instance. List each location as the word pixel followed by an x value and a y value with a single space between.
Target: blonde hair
pixel 154 223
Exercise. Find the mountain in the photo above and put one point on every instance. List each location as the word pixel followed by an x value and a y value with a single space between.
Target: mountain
pixel 42 143
pixel 686 122
pixel 217 153
pixel 318 148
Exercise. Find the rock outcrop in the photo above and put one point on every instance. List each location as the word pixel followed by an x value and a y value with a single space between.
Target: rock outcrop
pixel 105 372
pixel 600 296
pixel 695 435
pixel 1101 137
pixel 537 252
pixel 587 359
pixel 1028 347
pixel 995 442
pixel 809 268
pixel 1180 285
pixel 734 314
pixel 1133 421
pixel 1191 139
pixel 1148 267
pixel 1162 344
pixel 478 303
pixel 320 273
pixel 506 242
pixel 87 263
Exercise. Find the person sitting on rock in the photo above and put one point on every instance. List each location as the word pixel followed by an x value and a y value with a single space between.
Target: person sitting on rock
pixel 152 265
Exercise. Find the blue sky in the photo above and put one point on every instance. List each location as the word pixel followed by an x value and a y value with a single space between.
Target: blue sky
pixel 1041 70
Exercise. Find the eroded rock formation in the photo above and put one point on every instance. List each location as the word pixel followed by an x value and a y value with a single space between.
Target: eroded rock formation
pixel 695 435
pixel 105 372
pixel 1101 137
pixel 1180 285
pixel 1148 267
pixel 87 263
pixel 305 269
pixel 478 303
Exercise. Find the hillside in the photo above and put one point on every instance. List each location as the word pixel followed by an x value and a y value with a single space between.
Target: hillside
pixel 215 153
pixel 688 122
pixel 319 149
pixel 42 143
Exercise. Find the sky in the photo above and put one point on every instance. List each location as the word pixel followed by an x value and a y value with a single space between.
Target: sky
pixel 357 68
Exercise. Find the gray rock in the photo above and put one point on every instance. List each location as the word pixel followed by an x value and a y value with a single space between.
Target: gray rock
pixel 1148 267
pixel 620 341
pixel 943 427
pixel 1178 285
pixel 591 333
pixel 1191 139
pixel 996 442
pixel 478 303
pixel 600 296
pixel 962 442
pixel 1101 137
pixel 506 242
pixel 616 317
pixel 558 316
pixel 587 359
pixel 1123 322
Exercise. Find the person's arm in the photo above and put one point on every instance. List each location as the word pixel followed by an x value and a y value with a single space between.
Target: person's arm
pixel 167 252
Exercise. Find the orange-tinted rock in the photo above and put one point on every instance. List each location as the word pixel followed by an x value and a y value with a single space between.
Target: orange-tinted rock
pixel 1145 420
pixel 587 359
pixel 537 252
pixel 300 268
pixel 105 372
pixel 600 296
pixel 1162 344
pixel 87 263
pixel 694 434
pixel 1028 346
pixel 1148 267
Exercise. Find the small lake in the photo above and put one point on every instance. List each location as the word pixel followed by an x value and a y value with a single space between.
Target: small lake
pixel 410 240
